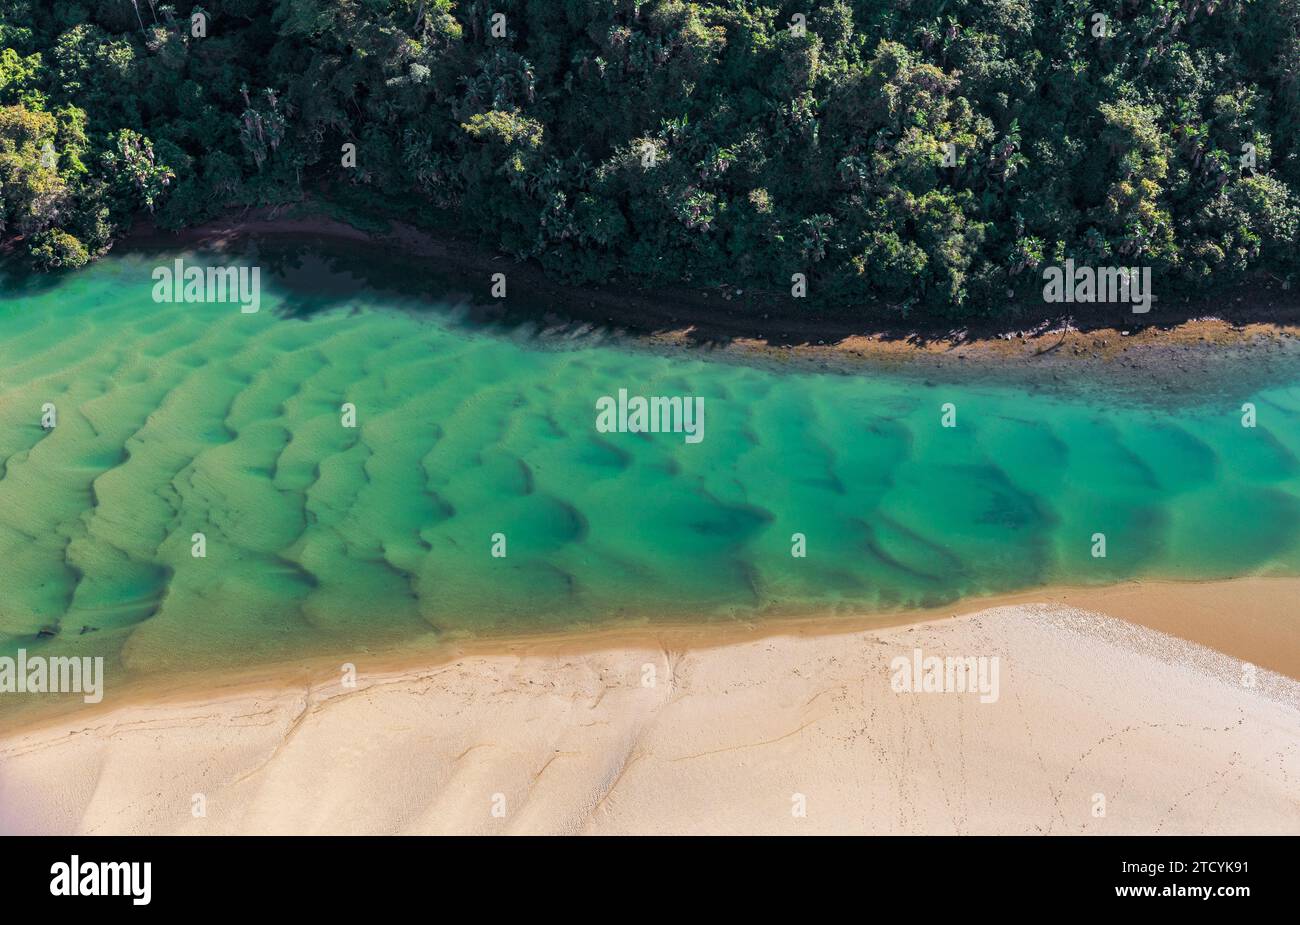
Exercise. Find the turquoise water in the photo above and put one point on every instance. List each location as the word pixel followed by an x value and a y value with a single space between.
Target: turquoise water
pixel 196 418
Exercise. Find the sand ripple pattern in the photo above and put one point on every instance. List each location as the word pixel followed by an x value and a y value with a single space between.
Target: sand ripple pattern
pixel 177 419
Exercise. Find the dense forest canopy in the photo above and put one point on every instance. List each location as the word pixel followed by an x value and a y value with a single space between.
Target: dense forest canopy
pixel 915 153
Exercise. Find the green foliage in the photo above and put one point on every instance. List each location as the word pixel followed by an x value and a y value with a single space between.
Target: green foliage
pixel 922 156
pixel 32 193
pixel 55 249
pixel 131 160
pixel 20 79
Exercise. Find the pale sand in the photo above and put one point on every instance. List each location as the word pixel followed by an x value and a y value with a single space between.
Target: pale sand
pixel 572 741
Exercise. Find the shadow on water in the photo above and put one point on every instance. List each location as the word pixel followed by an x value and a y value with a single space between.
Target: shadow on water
pixel 312 275
pixel 19 280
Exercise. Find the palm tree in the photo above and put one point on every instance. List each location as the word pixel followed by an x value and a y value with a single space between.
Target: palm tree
pixel 135 4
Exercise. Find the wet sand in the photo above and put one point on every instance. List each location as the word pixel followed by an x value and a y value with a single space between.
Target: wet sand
pixel 1097 725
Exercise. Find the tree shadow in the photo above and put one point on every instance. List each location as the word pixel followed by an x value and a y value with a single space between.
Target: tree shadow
pixel 19 280
pixel 312 274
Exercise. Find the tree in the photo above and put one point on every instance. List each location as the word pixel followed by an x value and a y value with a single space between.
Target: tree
pixel 32 194
pixel 131 159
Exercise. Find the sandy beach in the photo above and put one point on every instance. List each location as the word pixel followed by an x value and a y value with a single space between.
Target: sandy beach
pixel 1092 724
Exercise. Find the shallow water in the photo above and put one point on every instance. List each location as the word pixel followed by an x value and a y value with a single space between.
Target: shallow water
pixel 197 418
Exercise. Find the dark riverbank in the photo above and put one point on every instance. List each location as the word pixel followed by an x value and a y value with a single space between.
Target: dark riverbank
pixel 1177 347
